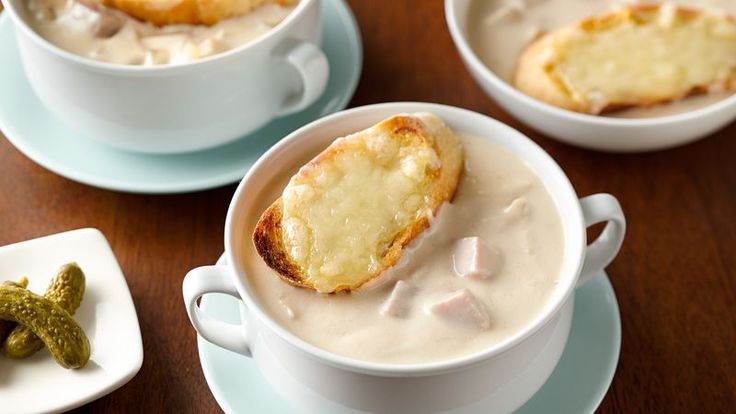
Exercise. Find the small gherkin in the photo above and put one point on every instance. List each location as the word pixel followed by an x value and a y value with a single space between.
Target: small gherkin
pixel 7 326
pixel 47 320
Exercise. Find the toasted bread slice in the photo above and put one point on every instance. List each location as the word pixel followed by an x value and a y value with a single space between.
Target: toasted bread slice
pixel 634 56
pixel 347 215
pixel 162 12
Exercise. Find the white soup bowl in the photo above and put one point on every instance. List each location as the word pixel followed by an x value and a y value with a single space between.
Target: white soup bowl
pixel 497 379
pixel 179 107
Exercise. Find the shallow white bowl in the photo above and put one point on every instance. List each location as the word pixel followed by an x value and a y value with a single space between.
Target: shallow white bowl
pixel 588 131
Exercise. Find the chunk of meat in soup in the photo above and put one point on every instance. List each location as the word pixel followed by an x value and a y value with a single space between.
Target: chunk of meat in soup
pixel 461 307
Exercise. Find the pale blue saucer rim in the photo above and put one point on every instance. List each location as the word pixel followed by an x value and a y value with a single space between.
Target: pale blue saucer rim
pixel 542 402
pixel 339 100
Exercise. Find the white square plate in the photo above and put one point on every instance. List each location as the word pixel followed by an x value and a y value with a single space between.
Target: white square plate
pixel 107 315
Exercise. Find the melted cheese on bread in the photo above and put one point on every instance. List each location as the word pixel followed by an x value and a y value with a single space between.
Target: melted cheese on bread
pixel 634 56
pixel 346 216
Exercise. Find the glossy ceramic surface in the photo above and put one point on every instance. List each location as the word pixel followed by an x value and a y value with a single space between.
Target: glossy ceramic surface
pixel 39 135
pixel 182 107
pixel 497 379
pixel 576 386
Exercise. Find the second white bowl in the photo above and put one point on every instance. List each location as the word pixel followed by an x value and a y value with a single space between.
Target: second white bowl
pixel 588 131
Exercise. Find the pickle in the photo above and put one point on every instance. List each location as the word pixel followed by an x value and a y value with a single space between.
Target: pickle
pixel 66 290
pixel 7 326
pixel 65 340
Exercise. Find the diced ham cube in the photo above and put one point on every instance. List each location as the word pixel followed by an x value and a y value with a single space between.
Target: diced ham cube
pixel 398 303
pixel 108 24
pixel 474 259
pixel 461 307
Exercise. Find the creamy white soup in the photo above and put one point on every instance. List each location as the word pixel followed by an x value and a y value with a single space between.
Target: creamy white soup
pixel 481 273
pixel 499 30
pixel 105 34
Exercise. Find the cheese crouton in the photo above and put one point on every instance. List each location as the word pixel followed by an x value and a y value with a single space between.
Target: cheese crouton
pixel 635 56
pixel 348 214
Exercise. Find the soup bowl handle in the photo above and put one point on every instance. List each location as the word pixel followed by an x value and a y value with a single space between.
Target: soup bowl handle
pixel 313 69
pixel 214 279
pixel 599 208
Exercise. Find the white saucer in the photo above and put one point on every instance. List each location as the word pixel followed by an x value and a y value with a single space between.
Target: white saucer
pixel 44 139
pixel 107 315
pixel 577 385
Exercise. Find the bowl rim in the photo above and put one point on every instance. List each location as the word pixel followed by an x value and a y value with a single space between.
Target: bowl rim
pixel 548 313
pixel 459 37
pixel 167 69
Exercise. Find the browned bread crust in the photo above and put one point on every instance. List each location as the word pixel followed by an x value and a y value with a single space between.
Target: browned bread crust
pixel 417 131
pixel 163 12
pixel 268 243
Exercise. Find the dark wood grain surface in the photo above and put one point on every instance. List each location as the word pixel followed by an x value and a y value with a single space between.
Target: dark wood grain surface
pixel 674 278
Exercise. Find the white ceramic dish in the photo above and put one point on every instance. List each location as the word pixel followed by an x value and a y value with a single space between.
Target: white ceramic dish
pixel 587 131
pixel 38 134
pixel 492 379
pixel 107 315
pixel 183 107
pixel 576 386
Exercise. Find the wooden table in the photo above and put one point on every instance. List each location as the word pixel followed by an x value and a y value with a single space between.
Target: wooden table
pixel 674 278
